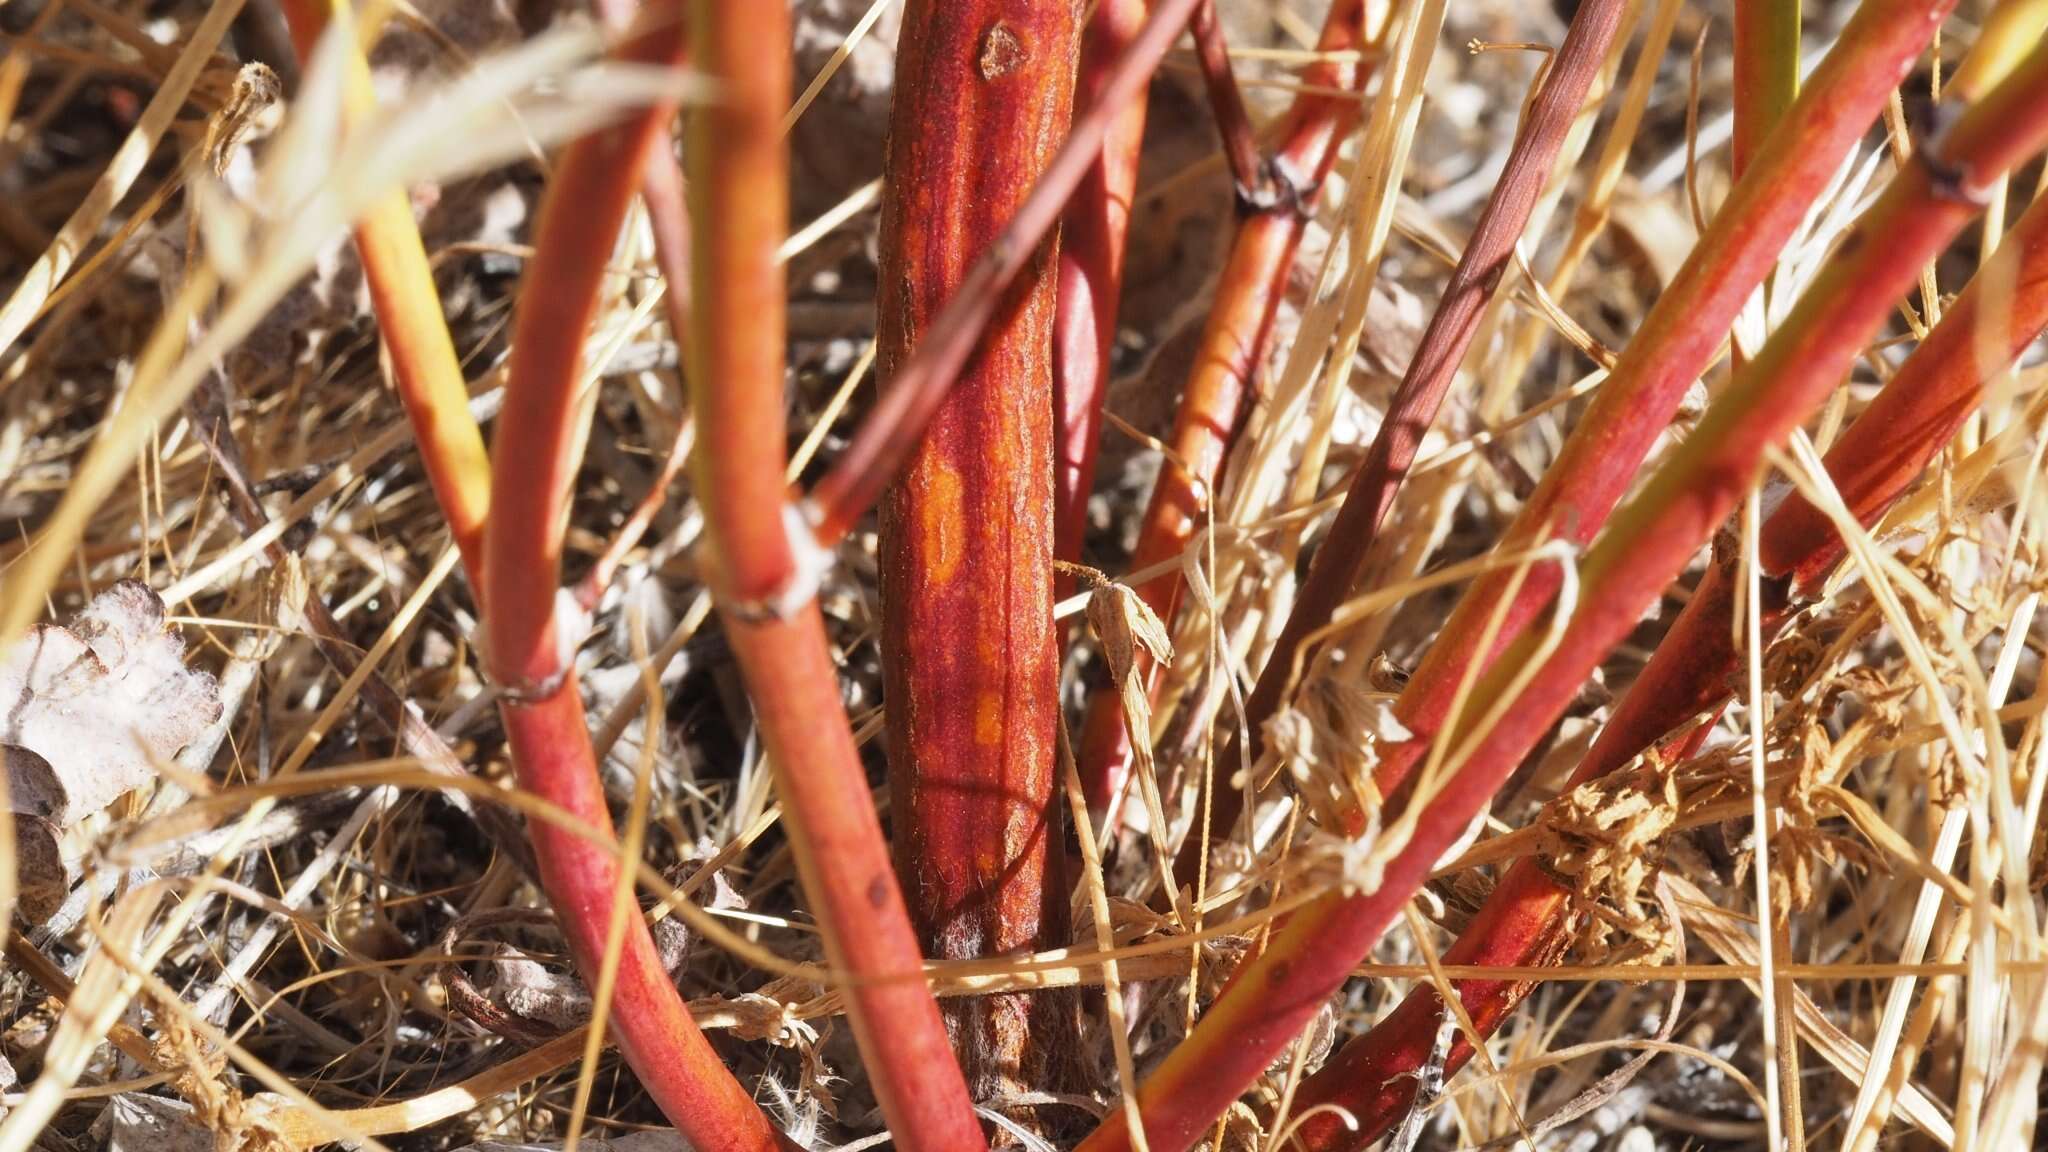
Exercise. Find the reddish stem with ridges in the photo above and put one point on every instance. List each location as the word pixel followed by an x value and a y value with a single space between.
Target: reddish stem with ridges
pixel 901 413
pixel 969 647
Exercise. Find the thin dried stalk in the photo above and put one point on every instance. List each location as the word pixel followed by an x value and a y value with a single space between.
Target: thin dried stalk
pixel 529 654
pixel 737 353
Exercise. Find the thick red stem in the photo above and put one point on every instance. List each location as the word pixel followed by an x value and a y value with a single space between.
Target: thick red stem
pixel 894 427
pixel 969 647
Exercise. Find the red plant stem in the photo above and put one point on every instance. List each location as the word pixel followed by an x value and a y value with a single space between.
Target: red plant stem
pixel 969 646
pixel 410 319
pixel 676 1064
pixel 1091 275
pixel 1766 72
pixel 737 360
pixel 1675 343
pixel 1652 537
pixel 1226 102
pixel 898 420
pixel 1235 341
pixel 1414 407
pixel 542 708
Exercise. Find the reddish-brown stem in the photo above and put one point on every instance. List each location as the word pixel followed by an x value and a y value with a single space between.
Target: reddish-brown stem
pixel 1651 539
pixel 1766 72
pixel 1091 275
pixel 1414 407
pixel 542 707
pixel 1226 102
pixel 1675 343
pixel 1523 924
pixel 737 358
pixel 897 422
pixel 1234 343
pixel 969 648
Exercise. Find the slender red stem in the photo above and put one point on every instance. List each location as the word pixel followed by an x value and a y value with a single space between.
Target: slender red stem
pixel 1274 995
pixel 1091 274
pixel 1226 102
pixel 1478 273
pixel 1235 340
pixel 737 360
pixel 543 709
pixel 1997 317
